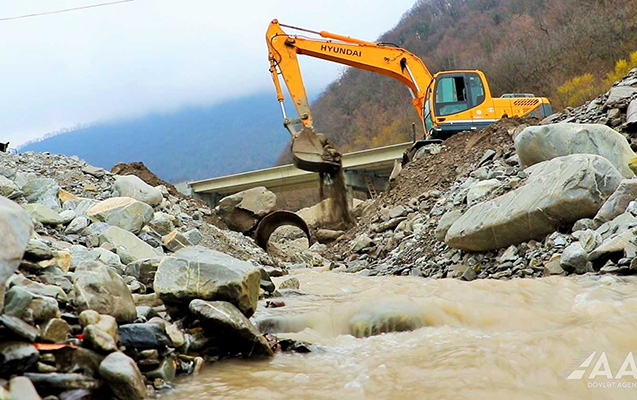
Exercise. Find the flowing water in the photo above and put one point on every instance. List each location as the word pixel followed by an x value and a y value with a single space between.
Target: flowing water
pixel 485 339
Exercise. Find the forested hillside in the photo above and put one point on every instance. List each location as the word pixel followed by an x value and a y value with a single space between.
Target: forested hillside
pixel 193 143
pixel 534 46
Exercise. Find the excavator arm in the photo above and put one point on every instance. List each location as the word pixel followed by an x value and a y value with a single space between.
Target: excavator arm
pixel 310 151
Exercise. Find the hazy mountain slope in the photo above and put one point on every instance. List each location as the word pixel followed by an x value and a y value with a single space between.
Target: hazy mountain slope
pixel 193 143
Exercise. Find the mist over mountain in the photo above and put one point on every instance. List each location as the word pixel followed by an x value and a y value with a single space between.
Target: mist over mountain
pixel 189 144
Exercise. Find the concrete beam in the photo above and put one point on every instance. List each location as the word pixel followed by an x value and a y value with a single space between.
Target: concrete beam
pixel 376 162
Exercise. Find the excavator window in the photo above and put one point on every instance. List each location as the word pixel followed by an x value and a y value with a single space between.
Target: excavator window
pixel 458 92
pixel 451 95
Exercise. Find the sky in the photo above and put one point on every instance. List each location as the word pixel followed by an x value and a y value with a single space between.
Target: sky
pixel 146 56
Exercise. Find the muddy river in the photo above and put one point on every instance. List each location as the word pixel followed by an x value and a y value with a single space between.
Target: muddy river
pixel 551 338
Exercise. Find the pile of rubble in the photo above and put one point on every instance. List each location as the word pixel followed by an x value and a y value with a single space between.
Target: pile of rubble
pixel 514 200
pixel 110 287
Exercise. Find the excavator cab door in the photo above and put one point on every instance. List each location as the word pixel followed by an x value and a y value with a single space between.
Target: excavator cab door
pixel 456 93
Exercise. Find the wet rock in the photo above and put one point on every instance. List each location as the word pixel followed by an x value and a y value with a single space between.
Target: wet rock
pixel 16 357
pixel 131 244
pixel 575 259
pixel 618 201
pixel 197 272
pixel 166 371
pixel 97 339
pixel 43 191
pixel 558 192
pixel 132 186
pixel 55 330
pixel 123 377
pixel 59 382
pixel 241 211
pixel 231 327
pixel 540 143
pixel 175 240
pixel 175 336
pixel 552 267
pixel 371 323
pixel 102 290
pixel 143 336
pixel 19 328
pixel 123 212
pixel 469 274
pixel 21 388
pixel 290 283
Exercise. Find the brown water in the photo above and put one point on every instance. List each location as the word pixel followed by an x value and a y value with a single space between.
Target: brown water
pixel 484 339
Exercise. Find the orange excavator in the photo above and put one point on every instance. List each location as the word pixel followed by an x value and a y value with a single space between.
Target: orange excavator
pixel 446 102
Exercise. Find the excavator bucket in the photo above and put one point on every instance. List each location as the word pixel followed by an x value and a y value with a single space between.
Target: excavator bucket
pixel 313 152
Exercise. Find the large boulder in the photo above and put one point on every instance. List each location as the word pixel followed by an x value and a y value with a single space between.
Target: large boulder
pixel 545 142
pixel 101 289
pixel 124 212
pixel 132 186
pixel 231 328
pixel 242 211
pixel 557 193
pixel 15 230
pixel 199 273
pixel 131 244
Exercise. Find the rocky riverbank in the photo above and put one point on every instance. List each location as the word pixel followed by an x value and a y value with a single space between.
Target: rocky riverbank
pixel 522 198
pixel 112 287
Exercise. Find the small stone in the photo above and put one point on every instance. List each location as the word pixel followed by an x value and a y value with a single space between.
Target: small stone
pixel 175 241
pixel 175 336
pixel 194 236
pixel 469 274
pixel 574 259
pixel 99 340
pixel 123 377
pixel 89 317
pixel 55 331
pixel 143 336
